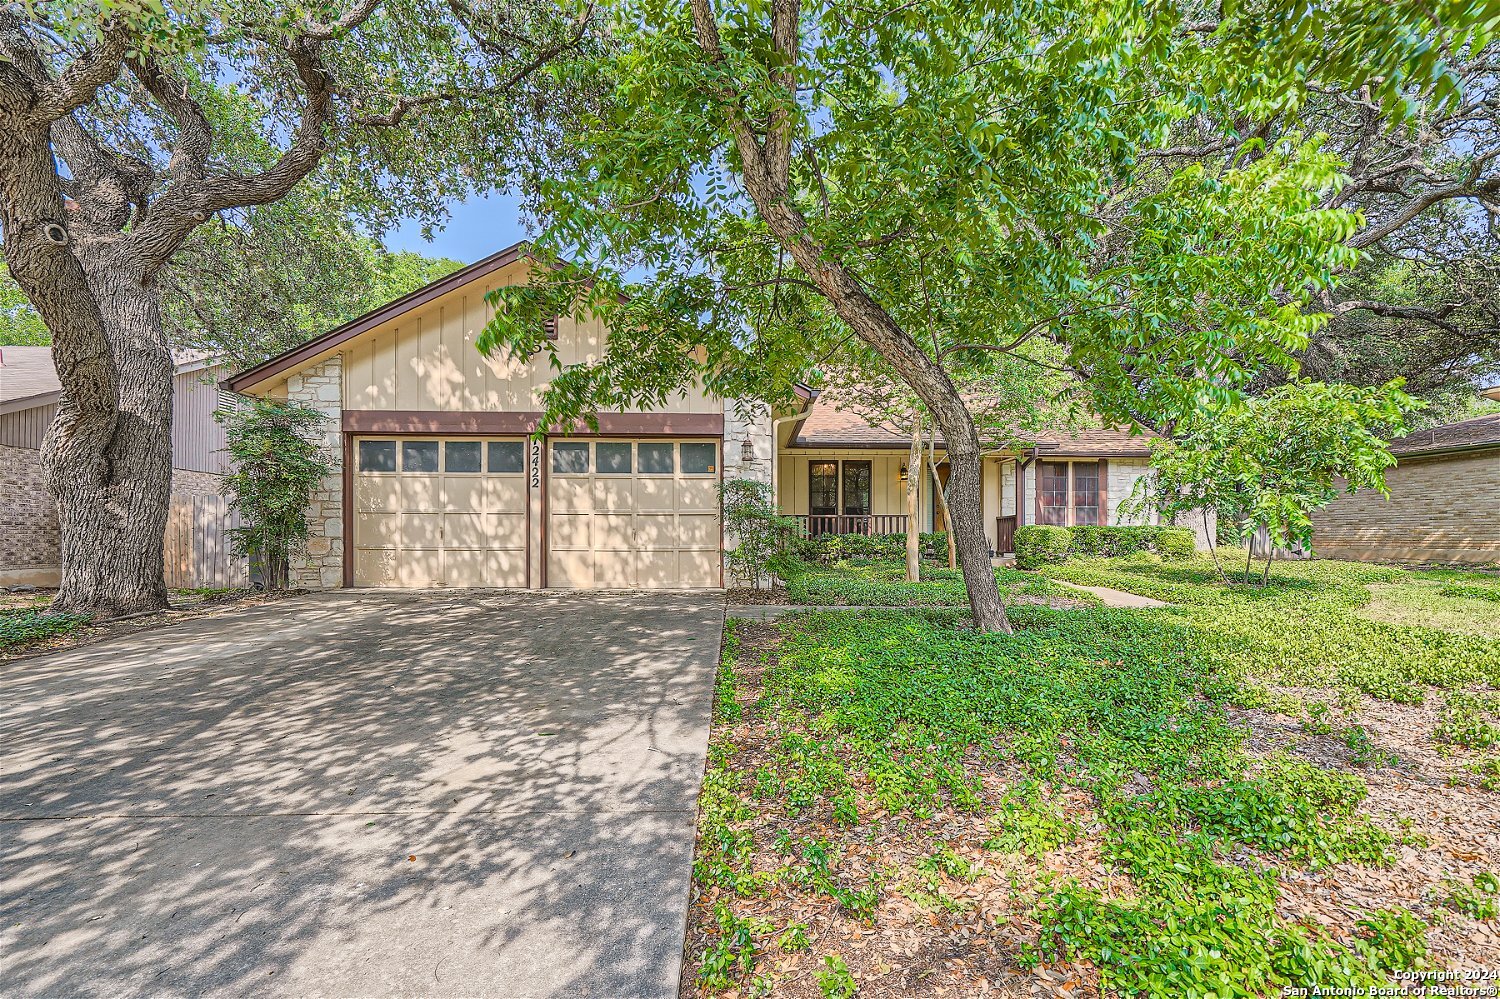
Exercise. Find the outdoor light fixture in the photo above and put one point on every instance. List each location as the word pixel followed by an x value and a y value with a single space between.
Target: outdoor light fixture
pixel 747 451
pixel 903 471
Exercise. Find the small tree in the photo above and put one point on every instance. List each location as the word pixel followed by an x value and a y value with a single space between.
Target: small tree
pixel 278 463
pixel 1269 462
pixel 762 536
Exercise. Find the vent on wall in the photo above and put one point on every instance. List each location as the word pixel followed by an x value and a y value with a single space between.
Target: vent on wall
pixel 550 328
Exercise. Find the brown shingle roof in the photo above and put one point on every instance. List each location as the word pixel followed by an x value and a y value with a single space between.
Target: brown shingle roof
pixel 828 427
pixel 1481 431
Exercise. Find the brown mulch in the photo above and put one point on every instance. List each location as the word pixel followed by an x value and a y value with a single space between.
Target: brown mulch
pixel 947 937
pixel 1451 826
pixel 185 606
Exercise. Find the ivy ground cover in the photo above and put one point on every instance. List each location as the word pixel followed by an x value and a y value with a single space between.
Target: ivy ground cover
pixel 1108 802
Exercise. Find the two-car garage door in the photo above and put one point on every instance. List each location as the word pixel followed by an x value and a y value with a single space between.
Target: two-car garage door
pixel 472 511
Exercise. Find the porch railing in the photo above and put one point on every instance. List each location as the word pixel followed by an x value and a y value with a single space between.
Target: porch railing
pixel 875 523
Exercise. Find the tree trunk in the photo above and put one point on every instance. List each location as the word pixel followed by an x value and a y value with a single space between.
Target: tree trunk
pixel 913 481
pixel 941 495
pixel 114 516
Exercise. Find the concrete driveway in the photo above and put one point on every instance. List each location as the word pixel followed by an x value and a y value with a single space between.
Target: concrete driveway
pixel 450 794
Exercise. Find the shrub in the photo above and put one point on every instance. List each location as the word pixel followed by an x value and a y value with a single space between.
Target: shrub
pixel 1110 542
pixel 1040 544
pixel 1176 542
pixel 764 540
pixel 278 464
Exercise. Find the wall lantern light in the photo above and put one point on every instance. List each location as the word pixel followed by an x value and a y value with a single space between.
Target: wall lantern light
pixel 904 473
pixel 747 451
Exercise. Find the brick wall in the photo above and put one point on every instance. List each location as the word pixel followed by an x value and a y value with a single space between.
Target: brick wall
pixel 321 566
pixel 1442 509
pixel 28 518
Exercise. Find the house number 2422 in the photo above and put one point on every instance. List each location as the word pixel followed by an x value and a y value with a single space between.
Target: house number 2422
pixel 536 464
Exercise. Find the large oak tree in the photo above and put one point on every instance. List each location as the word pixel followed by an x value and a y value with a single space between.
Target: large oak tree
pixel 126 127
pixel 777 177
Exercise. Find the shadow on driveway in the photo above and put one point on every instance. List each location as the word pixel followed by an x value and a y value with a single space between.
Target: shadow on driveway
pixel 360 793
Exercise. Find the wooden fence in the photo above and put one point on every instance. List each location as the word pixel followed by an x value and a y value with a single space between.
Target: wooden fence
pixel 197 544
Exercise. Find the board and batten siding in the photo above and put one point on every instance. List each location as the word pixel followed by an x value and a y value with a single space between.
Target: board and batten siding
pixel 426 360
pixel 1443 508
pixel 25 428
pixel 887 491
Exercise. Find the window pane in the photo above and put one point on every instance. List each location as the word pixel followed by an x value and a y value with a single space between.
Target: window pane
pixel 507 456
pixel 1085 493
pixel 1054 492
pixel 823 478
pixel 419 456
pixel 655 459
pixel 612 458
pixel 462 456
pixel 570 458
pixel 377 456
pixel 700 459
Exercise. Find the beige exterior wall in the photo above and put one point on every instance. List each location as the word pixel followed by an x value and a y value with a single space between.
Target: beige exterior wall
pixel 426 360
pixel 887 491
pixel 1441 509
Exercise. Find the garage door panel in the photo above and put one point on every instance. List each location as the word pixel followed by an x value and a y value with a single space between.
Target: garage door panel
pixel 658 570
pixel 483 567
pixel 508 530
pixel 570 569
pixel 655 494
pixel 422 530
pixel 378 530
pixel 656 530
pixel 698 530
pixel 507 495
pixel 698 494
pixel 467 530
pixel 700 568
pixel 419 567
pixel 570 495
pixel 377 493
pixel 419 492
pixel 615 570
pixel 463 494
pixel 571 532
pixel 375 567
pixel 614 532
pixel 613 493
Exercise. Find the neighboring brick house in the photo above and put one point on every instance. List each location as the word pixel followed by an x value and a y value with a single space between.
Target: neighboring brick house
pixel 196 545
pixel 1444 504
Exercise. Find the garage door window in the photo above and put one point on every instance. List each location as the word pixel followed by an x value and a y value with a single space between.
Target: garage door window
pixel 507 456
pixel 570 458
pixel 461 456
pixel 377 456
pixel 656 459
pixel 419 456
pixel 700 459
pixel 613 458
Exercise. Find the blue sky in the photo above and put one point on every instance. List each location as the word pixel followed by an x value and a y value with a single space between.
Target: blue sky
pixel 479 227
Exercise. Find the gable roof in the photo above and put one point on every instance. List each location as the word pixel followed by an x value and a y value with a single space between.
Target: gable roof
pixel 304 352
pixel 827 427
pixel 1465 435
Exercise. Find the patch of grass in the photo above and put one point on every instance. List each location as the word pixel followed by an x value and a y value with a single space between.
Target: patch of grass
pixel 1306 628
pixel 19 630
pixel 727 707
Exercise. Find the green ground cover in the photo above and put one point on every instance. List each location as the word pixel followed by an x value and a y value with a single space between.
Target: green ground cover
pixel 843 735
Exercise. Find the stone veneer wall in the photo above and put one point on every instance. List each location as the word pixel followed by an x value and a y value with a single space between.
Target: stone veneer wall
pixel 747 419
pixel 321 566
pixel 29 536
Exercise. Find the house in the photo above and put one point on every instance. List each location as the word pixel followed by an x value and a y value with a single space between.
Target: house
pixel 836 472
pixel 197 549
pixel 1444 503
pixel 440 479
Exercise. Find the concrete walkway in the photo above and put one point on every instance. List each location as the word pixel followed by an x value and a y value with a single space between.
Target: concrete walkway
pixel 1116 598
pixel 444 794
